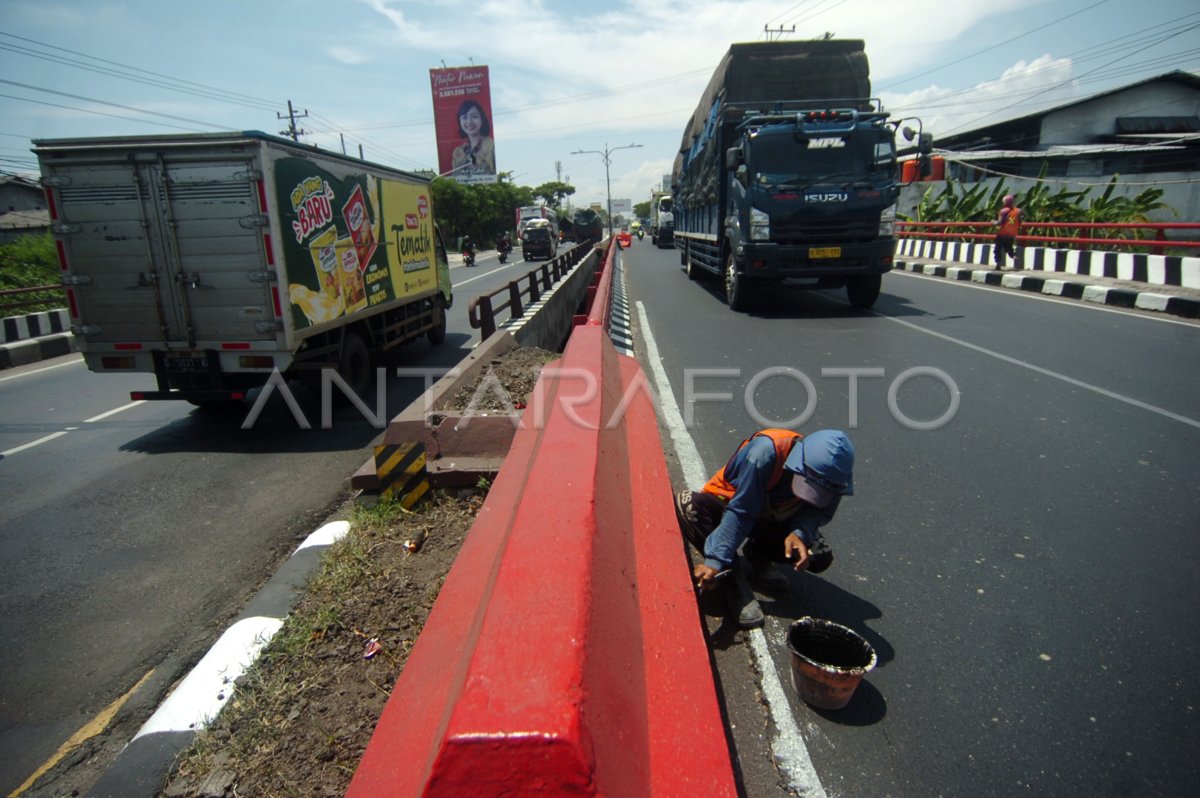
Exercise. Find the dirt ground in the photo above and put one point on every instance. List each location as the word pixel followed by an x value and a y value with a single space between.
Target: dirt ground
pixel 300 720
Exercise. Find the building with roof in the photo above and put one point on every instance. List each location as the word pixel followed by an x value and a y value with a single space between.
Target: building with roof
pixel 22 208
pixel 1147 133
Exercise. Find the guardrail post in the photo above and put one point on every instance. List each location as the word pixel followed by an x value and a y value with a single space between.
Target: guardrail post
pixel 533 287
pixel 481 316
pixel 514 301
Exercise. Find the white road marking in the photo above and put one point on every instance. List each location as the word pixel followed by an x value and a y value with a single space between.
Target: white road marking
pixel 114 411
pixel 43 368
pixel 31 444
pixel 787 746
pixel 1054 374
pixel 1043 297
pixel 61 433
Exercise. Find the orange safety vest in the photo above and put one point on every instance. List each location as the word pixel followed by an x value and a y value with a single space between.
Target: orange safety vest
pixel 784 440
pixel 1010 225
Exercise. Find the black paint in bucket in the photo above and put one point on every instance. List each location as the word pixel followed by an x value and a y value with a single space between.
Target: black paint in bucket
pixel 828 661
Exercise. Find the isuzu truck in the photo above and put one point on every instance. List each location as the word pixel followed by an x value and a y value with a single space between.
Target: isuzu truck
pixel 786 173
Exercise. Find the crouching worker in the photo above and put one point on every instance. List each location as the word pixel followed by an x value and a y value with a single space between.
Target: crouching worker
pixel 775 493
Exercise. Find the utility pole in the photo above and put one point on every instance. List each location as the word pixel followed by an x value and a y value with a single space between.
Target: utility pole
pixel 607 161
pixel 778 33
pixel 291 117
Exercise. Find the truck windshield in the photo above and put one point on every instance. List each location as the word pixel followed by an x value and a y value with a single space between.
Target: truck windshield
pixel 775 159
pixel 664 206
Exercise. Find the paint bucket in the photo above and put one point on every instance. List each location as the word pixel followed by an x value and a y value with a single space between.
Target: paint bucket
pixel 828 662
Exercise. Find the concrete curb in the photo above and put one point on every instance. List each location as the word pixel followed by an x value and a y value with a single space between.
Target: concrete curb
pixel 1185 306
pixel 141 766
pixel 24 352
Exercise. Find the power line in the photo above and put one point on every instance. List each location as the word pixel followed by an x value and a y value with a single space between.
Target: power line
pixel 993 47
pixel 222 93
pixel 1062 83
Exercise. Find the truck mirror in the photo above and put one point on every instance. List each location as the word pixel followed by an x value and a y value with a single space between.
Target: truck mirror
pixel 740 174
pixel 733 157
pixel 925 143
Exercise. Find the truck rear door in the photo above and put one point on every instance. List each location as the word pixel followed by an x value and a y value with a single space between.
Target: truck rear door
pixel 165 246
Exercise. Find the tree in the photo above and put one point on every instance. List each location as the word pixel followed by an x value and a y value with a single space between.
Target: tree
pixel 554 192
pixel 642 210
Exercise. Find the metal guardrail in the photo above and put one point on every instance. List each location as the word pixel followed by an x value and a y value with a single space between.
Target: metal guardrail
pixel 483 309
pixel 56 296
pixel 947 231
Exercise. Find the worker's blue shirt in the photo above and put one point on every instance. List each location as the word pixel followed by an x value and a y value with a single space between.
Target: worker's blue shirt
pixel 749 471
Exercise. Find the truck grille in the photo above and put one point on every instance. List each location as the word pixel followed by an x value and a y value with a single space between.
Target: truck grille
pixel 815 231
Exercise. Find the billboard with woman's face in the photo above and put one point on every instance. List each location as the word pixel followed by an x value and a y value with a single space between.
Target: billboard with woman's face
pixel 462 119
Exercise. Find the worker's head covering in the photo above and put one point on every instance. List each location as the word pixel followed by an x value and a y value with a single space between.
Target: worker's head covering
pixel 823 467
pixel 1009 199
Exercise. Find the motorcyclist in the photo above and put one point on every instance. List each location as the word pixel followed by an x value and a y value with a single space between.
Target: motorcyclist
pixel 468 249
pixel 504 246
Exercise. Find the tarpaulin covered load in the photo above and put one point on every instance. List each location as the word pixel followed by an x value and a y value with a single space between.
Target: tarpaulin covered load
pixel 767 74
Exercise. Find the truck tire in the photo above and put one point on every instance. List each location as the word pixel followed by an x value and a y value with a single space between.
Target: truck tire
pixel 863 291
pixel 355 363
pixel 737 293
pixel 693 271
pixel 437 333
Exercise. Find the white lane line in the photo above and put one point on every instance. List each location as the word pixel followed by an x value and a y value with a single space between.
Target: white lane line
pixel 481 276
pixel 1044 297
pixel 31 444
pixel 787 746
pixel 61 433
pixel 1054 374
pixel 40 370
pixel 114 411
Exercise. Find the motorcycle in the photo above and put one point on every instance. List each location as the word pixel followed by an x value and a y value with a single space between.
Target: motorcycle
pixel 641 234
pixel 504 250
pixel 468 257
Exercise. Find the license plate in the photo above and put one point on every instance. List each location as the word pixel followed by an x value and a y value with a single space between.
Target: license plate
pixel 825 252
pixel 193 363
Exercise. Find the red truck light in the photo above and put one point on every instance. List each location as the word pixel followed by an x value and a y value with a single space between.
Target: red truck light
pixel 256 362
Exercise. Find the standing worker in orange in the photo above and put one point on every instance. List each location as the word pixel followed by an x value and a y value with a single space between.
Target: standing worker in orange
pixel 1009 224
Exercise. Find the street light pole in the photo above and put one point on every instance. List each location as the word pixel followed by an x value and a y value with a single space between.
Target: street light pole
pixel 606 153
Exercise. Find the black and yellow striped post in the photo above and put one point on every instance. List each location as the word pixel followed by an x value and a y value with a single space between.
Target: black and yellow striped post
pixel 400 469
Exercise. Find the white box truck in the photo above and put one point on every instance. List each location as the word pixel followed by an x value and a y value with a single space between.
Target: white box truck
pixel 213 259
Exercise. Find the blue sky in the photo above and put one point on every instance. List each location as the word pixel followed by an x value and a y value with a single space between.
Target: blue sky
pixel 566 75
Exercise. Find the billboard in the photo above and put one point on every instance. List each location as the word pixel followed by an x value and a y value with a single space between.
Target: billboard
pixel 462 120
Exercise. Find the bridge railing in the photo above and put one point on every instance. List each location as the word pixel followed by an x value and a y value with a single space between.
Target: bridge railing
pixel 1074 235
pixel 522 292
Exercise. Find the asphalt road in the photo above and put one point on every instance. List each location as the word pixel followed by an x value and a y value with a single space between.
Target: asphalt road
pixel 1023 559
pixel 130 533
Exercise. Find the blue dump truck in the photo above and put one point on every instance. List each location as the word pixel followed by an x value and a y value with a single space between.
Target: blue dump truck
pixel 786 173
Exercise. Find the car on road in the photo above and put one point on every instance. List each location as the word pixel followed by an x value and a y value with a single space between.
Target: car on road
pixel 538 240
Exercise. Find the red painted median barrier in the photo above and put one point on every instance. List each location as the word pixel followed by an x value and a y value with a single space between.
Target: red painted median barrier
pixel 564 654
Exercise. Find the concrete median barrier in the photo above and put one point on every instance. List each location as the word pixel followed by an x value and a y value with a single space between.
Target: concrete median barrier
pixel 564 654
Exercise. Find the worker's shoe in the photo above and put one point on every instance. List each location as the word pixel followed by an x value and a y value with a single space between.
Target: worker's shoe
pixel 742 604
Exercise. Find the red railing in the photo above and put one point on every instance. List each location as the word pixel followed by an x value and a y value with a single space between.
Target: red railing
pixel 961 231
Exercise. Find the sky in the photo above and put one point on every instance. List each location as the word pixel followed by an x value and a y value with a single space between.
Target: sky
pixel 566 75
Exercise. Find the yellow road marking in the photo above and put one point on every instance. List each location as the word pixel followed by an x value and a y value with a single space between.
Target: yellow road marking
pixel 91 729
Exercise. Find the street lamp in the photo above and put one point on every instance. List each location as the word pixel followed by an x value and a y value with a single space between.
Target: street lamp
pixel 607 161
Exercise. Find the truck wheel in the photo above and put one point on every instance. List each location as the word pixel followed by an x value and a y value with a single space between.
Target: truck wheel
pixel 863 291
pixel 683 256
pixel 355 364
pixel 693 271
pixel 737 293
pixel 437 333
